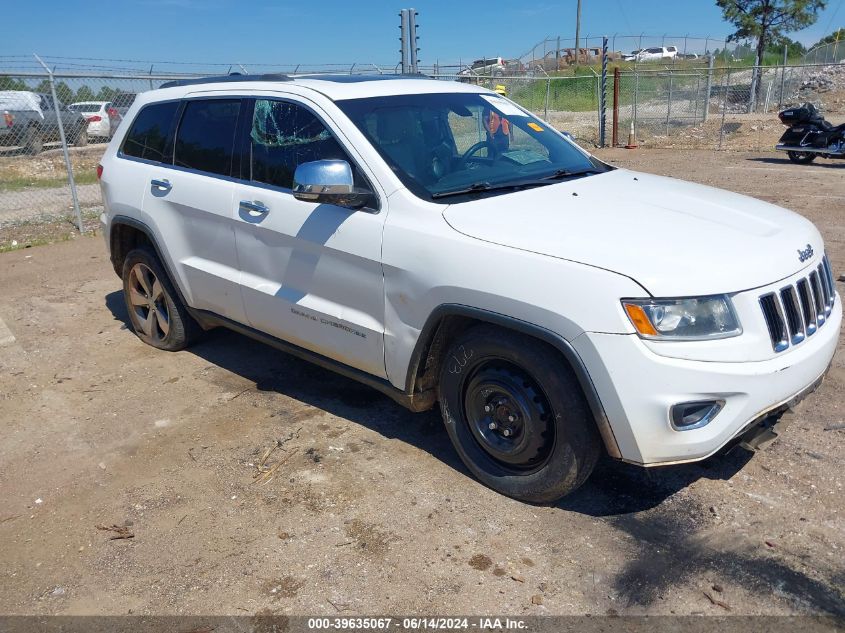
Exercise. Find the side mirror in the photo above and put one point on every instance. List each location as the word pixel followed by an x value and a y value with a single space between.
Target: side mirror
pixel 328 182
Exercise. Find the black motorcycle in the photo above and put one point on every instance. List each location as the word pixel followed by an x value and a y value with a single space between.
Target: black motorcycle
pixel 810 136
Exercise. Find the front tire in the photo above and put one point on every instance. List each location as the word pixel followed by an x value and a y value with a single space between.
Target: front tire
pixel 801 158
pixel 516 415
pixel 158 316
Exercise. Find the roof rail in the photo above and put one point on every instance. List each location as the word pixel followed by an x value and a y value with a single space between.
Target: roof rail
pixel 226 78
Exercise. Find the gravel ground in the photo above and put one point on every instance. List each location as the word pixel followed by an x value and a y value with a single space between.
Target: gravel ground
pixel 369 510
pixel 32 202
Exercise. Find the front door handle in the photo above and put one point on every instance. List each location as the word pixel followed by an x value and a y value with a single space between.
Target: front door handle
pixel 163 185
pixel 257 208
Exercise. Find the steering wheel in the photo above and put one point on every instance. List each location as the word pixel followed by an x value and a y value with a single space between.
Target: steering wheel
pixel 474 149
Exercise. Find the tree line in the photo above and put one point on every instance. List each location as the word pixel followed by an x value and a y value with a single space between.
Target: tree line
pixel 65 93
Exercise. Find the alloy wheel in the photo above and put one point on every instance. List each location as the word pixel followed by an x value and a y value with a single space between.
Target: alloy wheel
pixel 147 297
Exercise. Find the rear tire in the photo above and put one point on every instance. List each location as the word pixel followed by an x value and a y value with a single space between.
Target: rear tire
pixel 516 415
pixel 158 316
pixel 34 142
pixel 81 138
pixel 801 158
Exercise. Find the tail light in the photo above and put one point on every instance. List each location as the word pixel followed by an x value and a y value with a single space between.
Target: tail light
pixel 95 118
pixel 9 119
pixel 99 171
pixel 111 112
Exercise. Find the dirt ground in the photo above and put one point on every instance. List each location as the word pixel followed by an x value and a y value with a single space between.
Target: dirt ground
pixel 368 509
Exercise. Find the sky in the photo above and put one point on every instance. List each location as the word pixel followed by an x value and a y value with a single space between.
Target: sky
pixel 344 31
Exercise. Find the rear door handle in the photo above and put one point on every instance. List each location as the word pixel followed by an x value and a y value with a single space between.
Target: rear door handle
pixel 258 208
pixel 163 185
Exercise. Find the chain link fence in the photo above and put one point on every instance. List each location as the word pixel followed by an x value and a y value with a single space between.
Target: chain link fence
pixel 830 53
pixel 53 130
pixel 706 106
pixel 723 107
pixel 568 103
pixel 559 53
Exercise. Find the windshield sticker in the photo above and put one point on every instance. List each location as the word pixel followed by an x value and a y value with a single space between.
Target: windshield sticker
pixel 524 156
pixel 535 127
pixel 504 106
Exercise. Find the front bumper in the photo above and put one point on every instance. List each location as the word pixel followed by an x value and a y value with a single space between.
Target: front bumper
pixel 637 388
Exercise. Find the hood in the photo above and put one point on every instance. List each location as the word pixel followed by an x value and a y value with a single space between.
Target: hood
pixel 674 238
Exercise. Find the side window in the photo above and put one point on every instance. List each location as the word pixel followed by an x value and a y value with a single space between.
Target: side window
pixel 206 135
pixel 284 135
pixel 147 138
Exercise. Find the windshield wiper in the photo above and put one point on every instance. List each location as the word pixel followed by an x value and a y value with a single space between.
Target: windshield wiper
pixel 571 173
pixel 484 187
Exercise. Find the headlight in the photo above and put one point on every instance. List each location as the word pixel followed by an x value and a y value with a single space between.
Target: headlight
pixel 690 319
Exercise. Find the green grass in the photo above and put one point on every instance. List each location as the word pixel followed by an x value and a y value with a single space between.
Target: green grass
pixel 41 241
pixel 575 95
pixel 41 231
pixel 19 184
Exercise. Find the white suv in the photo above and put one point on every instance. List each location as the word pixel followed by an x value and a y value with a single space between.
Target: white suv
pixel 654 54
pixel 441 244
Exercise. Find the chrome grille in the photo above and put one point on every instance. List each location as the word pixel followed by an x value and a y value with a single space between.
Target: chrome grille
pixel 798 310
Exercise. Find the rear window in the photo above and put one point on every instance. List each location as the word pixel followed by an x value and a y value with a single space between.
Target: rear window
pixel 206 136
pixel 148 136
pixel 87 108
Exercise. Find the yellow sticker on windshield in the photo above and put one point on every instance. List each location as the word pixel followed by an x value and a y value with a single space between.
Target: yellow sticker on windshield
pixel 535 127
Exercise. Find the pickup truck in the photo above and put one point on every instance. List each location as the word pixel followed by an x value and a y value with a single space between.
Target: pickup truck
pixel 29 120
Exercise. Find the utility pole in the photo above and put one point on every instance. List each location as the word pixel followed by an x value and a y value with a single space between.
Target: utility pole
pixel 577 36
pixel 408 38
pixel 413 40
pixel 403 38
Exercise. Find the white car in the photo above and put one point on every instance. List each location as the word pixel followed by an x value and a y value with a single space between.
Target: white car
pixel 653 54
pixel 97 115
pixel 397 231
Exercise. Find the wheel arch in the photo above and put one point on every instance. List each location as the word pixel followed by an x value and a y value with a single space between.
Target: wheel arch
pixel 127 233
pixel 449 320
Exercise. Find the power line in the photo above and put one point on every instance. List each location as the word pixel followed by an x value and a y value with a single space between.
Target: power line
pixel 832 18
pixel 624 15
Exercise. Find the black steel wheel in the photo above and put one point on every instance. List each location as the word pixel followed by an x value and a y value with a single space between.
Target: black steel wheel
pixel 516 414
pixel 509 416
